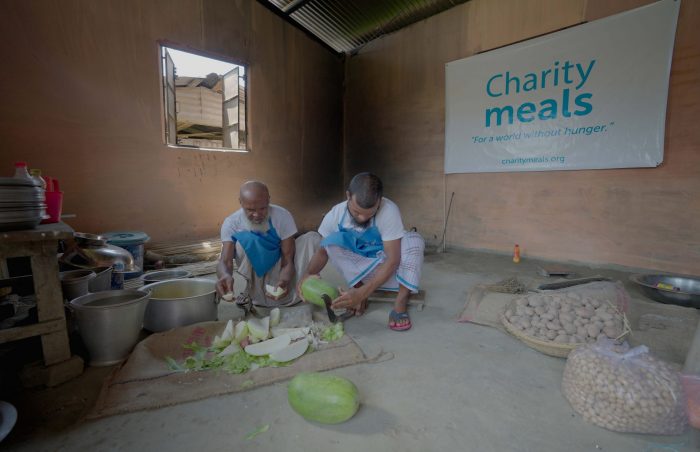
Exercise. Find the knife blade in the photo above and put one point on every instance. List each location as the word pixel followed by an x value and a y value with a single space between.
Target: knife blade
pixel 327 301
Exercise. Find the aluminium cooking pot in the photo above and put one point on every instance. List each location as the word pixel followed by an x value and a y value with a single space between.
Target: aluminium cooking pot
pixel 180 302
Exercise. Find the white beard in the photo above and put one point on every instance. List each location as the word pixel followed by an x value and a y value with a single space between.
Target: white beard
pixel 264 226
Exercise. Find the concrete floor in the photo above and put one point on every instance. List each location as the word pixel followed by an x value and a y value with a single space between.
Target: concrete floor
pixel 450 386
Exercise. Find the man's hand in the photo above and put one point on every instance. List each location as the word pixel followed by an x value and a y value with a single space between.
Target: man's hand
pixel 224 285
pixel 353 299
pixel 282 284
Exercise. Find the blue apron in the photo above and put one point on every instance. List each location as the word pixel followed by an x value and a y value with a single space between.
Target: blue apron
pixel 262 248
pixel 366 243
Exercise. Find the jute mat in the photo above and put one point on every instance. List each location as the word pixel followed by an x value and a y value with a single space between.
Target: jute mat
pixel 146 382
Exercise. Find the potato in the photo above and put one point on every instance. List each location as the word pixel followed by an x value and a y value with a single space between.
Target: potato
pixel 592 331
pixel 562 339
pixel 535 302
pixel 585 313
pixel 612 332
pixel 566 318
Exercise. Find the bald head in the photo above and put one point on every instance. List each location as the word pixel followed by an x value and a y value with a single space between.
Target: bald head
pixel 255 200
pixel 253 189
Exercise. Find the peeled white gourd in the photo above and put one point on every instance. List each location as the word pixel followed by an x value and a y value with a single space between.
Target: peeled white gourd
pixel 269 346
pixel 294 333
pixel 290 352
pixel 275 317
pixel 273 291
pixel 259 328
pixel 232 349
pixel 240 332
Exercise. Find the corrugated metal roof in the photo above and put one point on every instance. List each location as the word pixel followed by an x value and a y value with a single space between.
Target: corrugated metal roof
pixel 347 25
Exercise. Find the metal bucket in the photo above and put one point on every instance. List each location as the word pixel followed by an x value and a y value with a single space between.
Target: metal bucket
pixel 75 283
pixel 110 323
pixel 180 302
pixel 164 275
pixel 102 280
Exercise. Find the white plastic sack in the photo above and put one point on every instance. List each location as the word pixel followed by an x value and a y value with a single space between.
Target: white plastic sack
pixel 624 390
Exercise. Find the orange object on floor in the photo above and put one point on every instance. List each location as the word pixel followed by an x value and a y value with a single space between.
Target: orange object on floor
pixel 516 253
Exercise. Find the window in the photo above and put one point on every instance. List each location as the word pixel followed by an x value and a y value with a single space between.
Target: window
pixel 204 101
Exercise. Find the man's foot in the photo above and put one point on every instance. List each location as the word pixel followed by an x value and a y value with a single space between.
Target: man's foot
pixel 399 321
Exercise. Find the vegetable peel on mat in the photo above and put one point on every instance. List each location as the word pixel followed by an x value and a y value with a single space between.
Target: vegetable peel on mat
pixel 257 431
pixel 243 351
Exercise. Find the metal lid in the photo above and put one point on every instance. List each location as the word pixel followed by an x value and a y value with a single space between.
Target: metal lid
pixel 126 238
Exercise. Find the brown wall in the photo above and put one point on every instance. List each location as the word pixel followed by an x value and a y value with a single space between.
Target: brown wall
pixel 80 99
pixel 394 125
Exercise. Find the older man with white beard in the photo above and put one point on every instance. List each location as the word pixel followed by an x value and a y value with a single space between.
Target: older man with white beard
pixel 260 237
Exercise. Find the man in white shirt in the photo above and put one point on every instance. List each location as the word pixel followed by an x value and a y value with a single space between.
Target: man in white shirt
pixel 364 238
pixel 260 237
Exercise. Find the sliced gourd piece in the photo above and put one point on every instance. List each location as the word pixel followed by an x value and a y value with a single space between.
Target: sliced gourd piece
pixel 269 346
pixel 259 328
pixel 240 332
pixel 275 317
pixel 290 352
pixel 231 349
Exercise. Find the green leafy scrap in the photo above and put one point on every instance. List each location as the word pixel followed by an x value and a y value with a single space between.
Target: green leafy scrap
pixel 259 430
pixel 333 332
pixel 204 358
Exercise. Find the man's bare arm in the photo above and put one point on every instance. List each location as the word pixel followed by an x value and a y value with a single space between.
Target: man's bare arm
pixel 354 297
pixel 224 269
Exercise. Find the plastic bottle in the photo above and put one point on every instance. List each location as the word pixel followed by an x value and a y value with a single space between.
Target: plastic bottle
pixel 36 175
pixel 516 253
pixel 21 171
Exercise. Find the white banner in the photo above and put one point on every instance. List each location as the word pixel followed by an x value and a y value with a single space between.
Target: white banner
pixel 592 96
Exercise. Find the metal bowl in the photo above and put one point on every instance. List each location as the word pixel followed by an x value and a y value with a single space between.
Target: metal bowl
pixel 8 418
pixel 670 289
pixel 85 239
pixel 164 275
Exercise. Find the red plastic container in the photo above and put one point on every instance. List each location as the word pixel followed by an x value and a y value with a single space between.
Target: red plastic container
pixel 54 204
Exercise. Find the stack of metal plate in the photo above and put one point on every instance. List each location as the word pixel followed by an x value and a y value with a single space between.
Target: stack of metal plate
pixel 21 204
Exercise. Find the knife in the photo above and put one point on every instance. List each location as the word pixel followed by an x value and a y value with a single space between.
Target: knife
pixel 327 301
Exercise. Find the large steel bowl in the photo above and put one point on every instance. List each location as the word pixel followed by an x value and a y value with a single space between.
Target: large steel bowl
pixel 110 323
pixel 670 289
pixel 164 275
pixel 180 302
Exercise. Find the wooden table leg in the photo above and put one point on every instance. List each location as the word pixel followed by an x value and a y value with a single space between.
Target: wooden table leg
pixel 49 302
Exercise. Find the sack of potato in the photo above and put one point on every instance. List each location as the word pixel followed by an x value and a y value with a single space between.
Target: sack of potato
pixel 624 390
pixel 566 318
